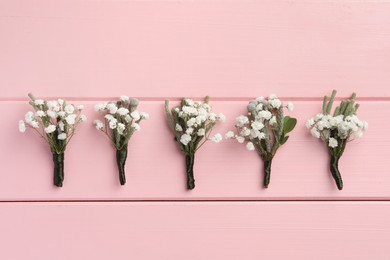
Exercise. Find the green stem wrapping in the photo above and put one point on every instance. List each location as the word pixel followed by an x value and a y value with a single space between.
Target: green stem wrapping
pixel 121 156
pixel 267 172
pixel 334 168
pixel 190 171
pixel 58 160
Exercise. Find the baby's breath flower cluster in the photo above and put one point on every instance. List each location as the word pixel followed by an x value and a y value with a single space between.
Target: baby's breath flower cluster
pixel 264 129
pixel 337 129
pixel 55 121
pixel 192 123
pixel 121 120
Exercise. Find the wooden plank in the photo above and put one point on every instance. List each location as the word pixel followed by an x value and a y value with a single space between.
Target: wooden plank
pixel 214 230
pixel 226 171
pixel 193 48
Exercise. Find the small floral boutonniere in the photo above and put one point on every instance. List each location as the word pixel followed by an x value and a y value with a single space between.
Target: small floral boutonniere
pixel 121 120
pixel 55 121
pixel 192 123
pixel 265 129
pixel 337 130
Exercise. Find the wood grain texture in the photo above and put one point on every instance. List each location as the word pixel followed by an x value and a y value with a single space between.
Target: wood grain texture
pixel 296 48
pixel 192 231
pixel 226 171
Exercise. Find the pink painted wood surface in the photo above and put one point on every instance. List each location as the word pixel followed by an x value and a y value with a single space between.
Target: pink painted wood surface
pixel 193 48
pixel 156 169
pixel 192 231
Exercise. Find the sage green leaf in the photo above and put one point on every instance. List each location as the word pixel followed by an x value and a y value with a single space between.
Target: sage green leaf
pixel 288 124
pixel 169 116
pixel 284 140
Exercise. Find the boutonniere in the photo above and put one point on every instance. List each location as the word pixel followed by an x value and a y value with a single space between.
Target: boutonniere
pixel 121 121
pixel 264 129
pixel 337 130
pixel 192 124
pixel 55 121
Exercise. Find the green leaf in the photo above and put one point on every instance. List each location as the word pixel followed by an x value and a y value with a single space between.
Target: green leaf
pixel 169 116
pixel 288 124
pixel 284 140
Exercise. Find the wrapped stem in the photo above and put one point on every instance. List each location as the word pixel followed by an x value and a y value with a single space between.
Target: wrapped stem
pixel 334 169
pixel 190 171
pixel 121 156
pixel 58 160
pixel 267 172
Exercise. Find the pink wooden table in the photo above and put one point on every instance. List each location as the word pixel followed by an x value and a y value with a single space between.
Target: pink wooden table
pixel 90 51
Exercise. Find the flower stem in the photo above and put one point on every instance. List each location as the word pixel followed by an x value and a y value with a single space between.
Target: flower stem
pixel 334 168
pixel 190 171
pixel 58 160
pixel 121 156
pixel 267 172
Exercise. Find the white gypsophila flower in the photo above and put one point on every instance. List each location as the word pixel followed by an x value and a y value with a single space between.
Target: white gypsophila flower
pixel 80 107
pixel 189 102
pixel 40 113
pixel 83 118
pixel 261 135
pixel 245 132
pixel 310 123
pixel 178 128
pixel 100 107
pixel 61 126
pixel 185 139
pixel 113 123
pixel 60 102
pixel 259 107
pixel 22 126
pixel 34 124
pixel 272 96
pixel 29 117
pixel 290 106
pixel 70 119
pixel 135 114
pixel 69 109
pixel 61 136
pixel 265 115
pixel 319 116
pixel 61 114
pixel 176 109
pixel 254 134
pixel 122 111
pixel 333 142
pixel 217 138
pixel 272 120
pixel 201 132
pixel 197 104
pixel 124 98
pixel 50 129
pixel 191 122
pixel 128 118
pixel 275 103
pixel 212 117
pixel 260 99
pixel 189 131
pixel 109 117
pixel 200 119
pixel 51 114
pixel 256 125
pixel 99 124
pixel 229 135
pixel 240 139
pixel 121 128
pixel 207 107
pixel 315 132
pixel 145 115
pixel 250 146
pixel 241 121
pixel 189 110
pixel 365 126
pixel 39 102
pixel 51 104
pixel 358 134
pixel 112 108
pixel 136 126
pixel 221 117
